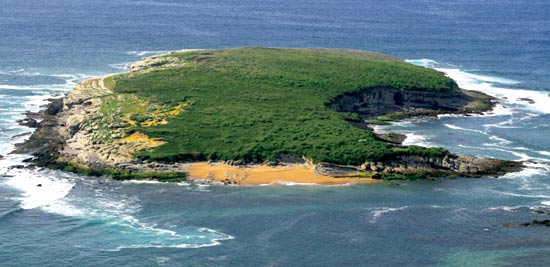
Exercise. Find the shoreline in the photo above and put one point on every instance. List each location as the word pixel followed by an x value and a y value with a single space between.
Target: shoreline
pixel 70 144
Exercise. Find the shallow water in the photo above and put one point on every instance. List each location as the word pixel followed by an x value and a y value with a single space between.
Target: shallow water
pixel 498 47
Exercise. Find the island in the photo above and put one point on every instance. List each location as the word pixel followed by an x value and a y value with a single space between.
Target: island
pixel 255 116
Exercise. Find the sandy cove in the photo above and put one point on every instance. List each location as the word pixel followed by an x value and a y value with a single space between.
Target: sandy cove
pixel 264 175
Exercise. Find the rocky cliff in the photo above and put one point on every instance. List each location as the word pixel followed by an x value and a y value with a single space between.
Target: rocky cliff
pixel 373 102
pixel 417 166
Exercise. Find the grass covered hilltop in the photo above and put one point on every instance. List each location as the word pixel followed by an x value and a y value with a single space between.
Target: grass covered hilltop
pixel 257 105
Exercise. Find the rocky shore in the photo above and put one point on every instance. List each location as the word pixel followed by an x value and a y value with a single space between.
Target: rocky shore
pixel 66 137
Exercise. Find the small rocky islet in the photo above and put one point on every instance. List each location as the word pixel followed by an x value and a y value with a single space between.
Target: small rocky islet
pixel 255 106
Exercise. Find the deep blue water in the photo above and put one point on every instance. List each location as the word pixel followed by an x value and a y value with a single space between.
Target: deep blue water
pixel 499 47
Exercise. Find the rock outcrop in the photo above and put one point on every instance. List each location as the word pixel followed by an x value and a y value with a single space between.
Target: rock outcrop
pixel 447 164
pixel 373 102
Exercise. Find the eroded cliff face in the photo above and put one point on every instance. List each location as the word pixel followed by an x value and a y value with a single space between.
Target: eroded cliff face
pixel 374 102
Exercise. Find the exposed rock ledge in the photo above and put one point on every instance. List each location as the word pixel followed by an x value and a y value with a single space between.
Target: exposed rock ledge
pixel 447 165
pixel 373 102
pixel 62 136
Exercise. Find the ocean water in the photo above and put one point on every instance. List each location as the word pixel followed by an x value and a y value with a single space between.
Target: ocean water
pixel 498 47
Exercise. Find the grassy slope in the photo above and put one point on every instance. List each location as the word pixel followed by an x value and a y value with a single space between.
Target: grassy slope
pixel 256 103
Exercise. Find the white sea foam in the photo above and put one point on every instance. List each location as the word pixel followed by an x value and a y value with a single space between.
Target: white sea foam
pixel 69 81
pixel 146 53
pixel 153 182
pixel 516 208
pixel 467 78
pixel 417 140
pixel 117 211
pixel 532 169
pixel 292 183
pixel 505 208
pixel 454 127
pixel 512 150
pixel 498 110
pixel 38 189
pixel 526 195
pixel 141 182
pixel 161 260
pixel 546 203
pixel 378 212
pixel 500 140
pixel 159 52
pixel 424 62
pixel 512 98
pixel 30 73
pixel 120 66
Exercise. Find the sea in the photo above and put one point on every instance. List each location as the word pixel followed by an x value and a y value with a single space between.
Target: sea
pixel 501 48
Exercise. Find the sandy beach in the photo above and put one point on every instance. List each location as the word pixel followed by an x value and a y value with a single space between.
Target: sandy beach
pixel 264 175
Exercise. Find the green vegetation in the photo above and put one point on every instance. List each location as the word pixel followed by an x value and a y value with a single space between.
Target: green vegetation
pixel 253 104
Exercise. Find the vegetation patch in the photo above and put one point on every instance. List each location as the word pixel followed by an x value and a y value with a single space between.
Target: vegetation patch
pixel 254 104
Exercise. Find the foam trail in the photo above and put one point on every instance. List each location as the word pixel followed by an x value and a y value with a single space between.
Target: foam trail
pixel 470 78
pixel 454 127
pixel 526 195
pixel 507 208
pixel 116 212
pixel 159 52
pixel 146 53
pixel 424 62
pixel 417 140
pixel 538 101
pixel 120 66
pixel 377 213
pixel 152 182
pixel 38 189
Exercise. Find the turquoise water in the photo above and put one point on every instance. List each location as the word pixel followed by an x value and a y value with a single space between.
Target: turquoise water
pixel 499 47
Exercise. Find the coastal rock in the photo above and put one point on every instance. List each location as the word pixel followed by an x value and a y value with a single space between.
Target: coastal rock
pixel 393 138
pixel 370 103
pixel 528 100
pixel 20 135
pixel 447 164
pixel 291 159
pixel 531 223
pixel 154 61
pixel 373 102
pixel 55 106
pixel 336 170
pixel 29 122
pixel 235 163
